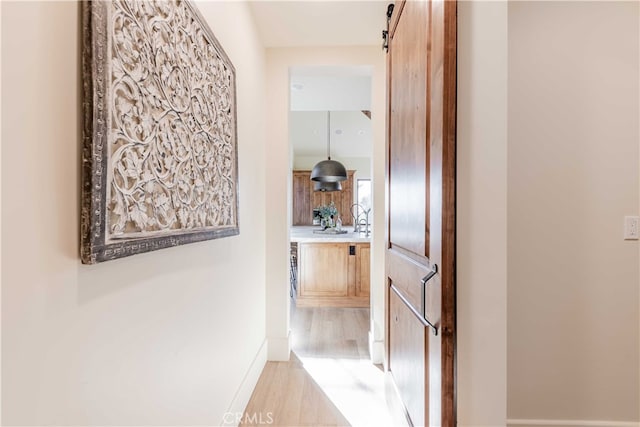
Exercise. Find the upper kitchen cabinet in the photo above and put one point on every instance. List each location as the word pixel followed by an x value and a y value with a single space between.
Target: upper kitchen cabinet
pixel 305 199
pixel 302 191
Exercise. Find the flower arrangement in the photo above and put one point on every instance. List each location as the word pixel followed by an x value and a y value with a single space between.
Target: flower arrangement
pixel 326 211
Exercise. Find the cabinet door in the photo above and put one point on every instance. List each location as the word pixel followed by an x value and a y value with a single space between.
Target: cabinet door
pixel 363 267
pixel 346 200
pixel 302 210
pixel 324 269
pixel 342 199
pixel 319 198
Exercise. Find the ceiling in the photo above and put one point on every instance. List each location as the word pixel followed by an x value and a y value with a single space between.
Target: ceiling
pixel 330 88
pixel 350 134
pixel 319 23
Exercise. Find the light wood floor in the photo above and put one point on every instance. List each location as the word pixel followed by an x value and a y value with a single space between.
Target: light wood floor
pixel 329 379
pixel 332 332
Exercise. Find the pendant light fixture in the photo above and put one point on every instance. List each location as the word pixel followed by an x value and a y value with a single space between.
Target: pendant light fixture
pixel 329 170
pixel 327 186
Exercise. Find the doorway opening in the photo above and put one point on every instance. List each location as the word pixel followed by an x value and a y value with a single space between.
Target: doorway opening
pixel 330 118
pixel 330 238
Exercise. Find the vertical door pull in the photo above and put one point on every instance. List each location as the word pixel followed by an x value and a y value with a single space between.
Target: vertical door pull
pixel 425 279
pixel 411 308
pixel 433 272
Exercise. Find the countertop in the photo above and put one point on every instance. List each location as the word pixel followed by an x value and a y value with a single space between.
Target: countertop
pixel 305 234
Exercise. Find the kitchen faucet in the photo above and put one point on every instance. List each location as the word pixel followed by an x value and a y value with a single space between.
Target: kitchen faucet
pixel 358 219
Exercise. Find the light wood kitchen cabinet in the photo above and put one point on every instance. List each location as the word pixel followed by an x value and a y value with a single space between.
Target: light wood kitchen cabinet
pixel 333 274
pixel 363 269
pixel 324 269
pixel 305 199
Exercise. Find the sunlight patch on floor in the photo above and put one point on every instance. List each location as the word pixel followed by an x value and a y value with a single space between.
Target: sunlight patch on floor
pixel 355 386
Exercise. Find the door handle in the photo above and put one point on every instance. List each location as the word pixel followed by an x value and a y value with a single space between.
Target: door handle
pixel 423 303
pixel 413 310
pixel 433 272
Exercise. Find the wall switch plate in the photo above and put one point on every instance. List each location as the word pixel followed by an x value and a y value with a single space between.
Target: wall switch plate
pixel 631 225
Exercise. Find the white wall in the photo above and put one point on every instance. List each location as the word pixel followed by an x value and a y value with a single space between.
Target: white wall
pixel 278 181
pixel 573 335
pixel 164 338
pixel 0 216
pixel 482 213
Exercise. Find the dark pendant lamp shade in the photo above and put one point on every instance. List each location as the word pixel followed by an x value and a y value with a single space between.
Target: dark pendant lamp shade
pixel 327 186
pixel 329 170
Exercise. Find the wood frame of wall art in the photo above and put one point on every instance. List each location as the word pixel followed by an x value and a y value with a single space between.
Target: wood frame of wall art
pixel 159 156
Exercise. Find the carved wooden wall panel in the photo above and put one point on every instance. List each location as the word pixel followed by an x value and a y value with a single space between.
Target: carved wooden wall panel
pixel 160 150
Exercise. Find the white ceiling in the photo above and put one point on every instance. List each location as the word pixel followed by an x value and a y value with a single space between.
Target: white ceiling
pixel 330 88
pixel 350 134
pixel 319 23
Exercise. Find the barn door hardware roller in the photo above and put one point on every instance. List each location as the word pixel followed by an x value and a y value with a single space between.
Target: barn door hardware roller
pixel 385 33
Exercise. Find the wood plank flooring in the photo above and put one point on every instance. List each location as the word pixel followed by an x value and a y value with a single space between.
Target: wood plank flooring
pixel 289 396
pixel 331 332
pixel 329 379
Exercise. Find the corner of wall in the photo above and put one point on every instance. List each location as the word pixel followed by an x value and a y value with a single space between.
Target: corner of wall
pixel 279 348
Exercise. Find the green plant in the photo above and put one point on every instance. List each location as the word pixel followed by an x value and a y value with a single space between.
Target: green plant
pixel 327 210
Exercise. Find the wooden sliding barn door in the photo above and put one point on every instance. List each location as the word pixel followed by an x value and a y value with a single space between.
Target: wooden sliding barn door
pixel 420 294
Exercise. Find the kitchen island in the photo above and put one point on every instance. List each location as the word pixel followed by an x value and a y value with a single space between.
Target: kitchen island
pixel 333 269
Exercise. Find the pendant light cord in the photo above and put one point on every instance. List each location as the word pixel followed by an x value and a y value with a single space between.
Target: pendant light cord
pixel 329 135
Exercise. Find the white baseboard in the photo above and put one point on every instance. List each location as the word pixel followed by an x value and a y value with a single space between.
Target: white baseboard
pixel 279 348
pixel 572 423
pixel 376 350
pixel 241 399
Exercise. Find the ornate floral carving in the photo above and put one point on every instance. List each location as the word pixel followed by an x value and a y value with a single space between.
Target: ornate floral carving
pixel 169 123
pixel 171 141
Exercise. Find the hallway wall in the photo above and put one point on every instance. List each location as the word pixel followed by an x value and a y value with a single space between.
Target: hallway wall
pixel 482 213
pixel 172 337
pixel 573 174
